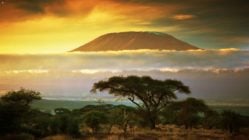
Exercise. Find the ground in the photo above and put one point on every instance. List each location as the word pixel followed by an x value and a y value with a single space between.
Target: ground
pixel 164 132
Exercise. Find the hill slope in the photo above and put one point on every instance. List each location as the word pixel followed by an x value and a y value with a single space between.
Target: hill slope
pixel 135 41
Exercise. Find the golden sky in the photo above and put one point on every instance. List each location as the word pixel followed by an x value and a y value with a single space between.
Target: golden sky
pixel 54 26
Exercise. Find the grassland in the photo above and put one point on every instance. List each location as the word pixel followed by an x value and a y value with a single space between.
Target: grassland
pixel 164 132
pixel 50 105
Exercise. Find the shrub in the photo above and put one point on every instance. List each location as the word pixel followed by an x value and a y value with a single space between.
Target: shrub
pixel 94 120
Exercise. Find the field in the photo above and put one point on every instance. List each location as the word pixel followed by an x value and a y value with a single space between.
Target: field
pixel 50 105
pixel 166 132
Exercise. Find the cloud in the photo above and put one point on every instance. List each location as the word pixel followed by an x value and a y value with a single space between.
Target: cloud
pixel 211 74
pixel 183 17
pixel 31 71
pixel 124 60
pixel 33 6
pixel 21 10
pixel 206 23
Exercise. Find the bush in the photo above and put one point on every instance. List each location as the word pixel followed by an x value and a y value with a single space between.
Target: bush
pixel 123 117
pixel 188 112
pixel 65 123
pixel 14 107
pixel 94 120
pixel 231 121
pixel 212 119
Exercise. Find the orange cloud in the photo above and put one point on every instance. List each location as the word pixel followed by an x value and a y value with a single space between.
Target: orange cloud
pixel 16 10
pixel 61 25
pixel 183 17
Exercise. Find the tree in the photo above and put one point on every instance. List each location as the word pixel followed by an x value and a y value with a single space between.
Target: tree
pixel 148 94
pixel 231 121
pixel 22 97
pixel 122 116
pixel 66 122
pixel 38 123
pixel 212 119
pixel 188 111
pixel 94 120
pixel 14 108
pixel 168 115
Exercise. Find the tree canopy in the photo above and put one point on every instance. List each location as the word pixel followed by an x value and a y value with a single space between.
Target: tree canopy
pixel 188 111
pixel 22 96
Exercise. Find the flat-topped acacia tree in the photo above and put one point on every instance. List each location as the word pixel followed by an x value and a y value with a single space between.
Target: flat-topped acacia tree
pixel 149 95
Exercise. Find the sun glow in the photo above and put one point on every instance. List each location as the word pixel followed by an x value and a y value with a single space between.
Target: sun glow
pixel 55 35
pixel 51 33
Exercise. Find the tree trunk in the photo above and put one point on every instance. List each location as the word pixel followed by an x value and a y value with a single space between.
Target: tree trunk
pixel 152 121
pixel 152 124
pixel 152 116
pixel 125 127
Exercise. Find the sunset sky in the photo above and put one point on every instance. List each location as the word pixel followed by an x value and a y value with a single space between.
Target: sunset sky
pixel 35 34
pixel 55 26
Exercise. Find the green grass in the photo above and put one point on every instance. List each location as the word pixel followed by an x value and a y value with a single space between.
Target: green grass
pixel 50 105
pixel 243 110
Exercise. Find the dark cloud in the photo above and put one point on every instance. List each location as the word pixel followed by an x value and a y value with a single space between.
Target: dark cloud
pixel 220 21
pixel 20 10
pixel 33 6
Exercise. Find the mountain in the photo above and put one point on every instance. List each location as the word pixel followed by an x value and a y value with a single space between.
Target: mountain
pixel 135 41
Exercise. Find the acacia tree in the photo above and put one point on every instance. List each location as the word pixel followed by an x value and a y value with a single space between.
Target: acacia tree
pixel 15 109
pixel 21 97
pixel 188 111
pixel 149 95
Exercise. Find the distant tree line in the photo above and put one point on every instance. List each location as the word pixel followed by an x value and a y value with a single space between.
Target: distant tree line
pixel 155 104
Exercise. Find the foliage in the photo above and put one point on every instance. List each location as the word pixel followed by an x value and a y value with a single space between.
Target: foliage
pixel 187 112
pixel 123 116
pixel 231 121
pixel 37 123
pixel 212 119
pixel 168 115
pixel 65 122
pixel 14 107
pixel 94 120
pixel 22 97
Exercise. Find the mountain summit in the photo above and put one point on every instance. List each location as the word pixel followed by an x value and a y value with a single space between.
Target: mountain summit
pixel 135 41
